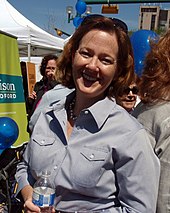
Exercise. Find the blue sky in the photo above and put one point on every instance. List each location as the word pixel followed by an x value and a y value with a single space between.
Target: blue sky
pixel 53 12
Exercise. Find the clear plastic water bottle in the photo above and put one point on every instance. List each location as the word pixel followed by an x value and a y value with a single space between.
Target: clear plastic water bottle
pixel 44 193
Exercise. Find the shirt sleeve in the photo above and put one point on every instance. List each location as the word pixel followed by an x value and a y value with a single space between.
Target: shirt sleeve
pixel 23 176
pixel 137 172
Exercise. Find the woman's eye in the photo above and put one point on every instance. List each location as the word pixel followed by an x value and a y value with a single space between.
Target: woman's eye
pixel 85 54
pixel 106 61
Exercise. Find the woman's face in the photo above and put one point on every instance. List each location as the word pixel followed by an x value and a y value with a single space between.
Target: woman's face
pixel 50 69
pixel 128 99
pixel 94 63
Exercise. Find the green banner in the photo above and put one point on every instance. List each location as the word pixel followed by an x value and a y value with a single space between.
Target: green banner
pixel 12 102
pixel 10 87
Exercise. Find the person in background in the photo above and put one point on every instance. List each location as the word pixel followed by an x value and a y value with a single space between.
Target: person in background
pixel 47 70
pixel 154 111
pixel 128 96
pixel 99 156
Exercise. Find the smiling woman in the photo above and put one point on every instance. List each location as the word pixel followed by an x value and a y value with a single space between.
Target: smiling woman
pixel 94 65
pixel 100 158
pixel 127 96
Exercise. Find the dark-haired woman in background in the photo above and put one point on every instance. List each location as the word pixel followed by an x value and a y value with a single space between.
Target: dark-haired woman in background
pixel 47 70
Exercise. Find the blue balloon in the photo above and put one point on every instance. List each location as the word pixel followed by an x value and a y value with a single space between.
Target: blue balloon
pixel 77 21
pixel 80 7
pixel 8 132
pixel 141 46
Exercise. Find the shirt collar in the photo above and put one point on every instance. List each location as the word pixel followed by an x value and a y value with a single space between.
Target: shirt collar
pixel 100 111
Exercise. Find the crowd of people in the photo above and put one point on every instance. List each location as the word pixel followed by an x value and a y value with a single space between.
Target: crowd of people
pixel 101 130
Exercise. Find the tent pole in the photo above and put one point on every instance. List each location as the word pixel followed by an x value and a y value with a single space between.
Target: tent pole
pixel 29 52
pixel 29 45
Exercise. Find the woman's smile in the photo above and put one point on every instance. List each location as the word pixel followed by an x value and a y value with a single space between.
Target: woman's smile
pixel 94 64
pixel 89 77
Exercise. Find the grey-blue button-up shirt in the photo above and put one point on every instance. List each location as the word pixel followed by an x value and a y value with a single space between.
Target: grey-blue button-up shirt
pixel 107 164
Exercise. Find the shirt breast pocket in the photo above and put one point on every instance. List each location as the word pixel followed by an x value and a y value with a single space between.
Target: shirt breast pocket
pixel 88 166
pixel 41 152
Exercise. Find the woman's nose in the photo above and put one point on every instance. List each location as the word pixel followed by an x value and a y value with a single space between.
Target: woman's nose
pixel 93 63
pixel 50 72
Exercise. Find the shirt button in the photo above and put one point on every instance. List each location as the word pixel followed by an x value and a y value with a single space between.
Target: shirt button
pixel 43 141
pixel 91 156
pixel 86 112
pixel 55 167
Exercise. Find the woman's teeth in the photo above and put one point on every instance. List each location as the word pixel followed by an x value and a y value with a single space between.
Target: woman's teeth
pixel 89 78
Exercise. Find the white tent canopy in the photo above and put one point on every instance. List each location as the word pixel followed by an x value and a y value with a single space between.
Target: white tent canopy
pixel 32 40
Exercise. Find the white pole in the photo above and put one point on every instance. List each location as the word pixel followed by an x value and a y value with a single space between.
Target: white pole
pixel 29 46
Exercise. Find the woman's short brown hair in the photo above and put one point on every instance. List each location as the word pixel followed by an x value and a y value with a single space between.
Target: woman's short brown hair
pixel 125 60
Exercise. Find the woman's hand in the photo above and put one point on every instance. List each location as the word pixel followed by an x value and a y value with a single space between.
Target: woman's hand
pixel 29 207
pixel 33 95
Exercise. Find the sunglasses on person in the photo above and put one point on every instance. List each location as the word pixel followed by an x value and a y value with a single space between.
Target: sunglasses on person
pixel 116 22
pixel 134 90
